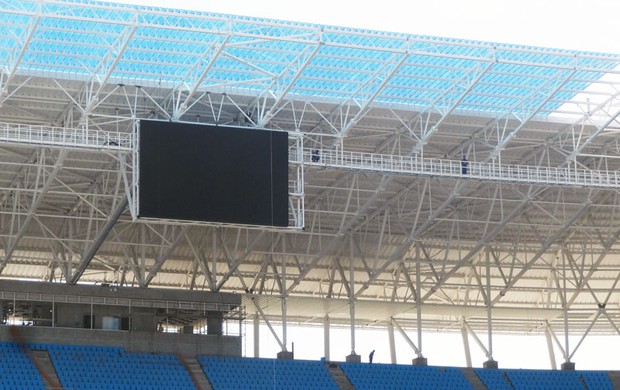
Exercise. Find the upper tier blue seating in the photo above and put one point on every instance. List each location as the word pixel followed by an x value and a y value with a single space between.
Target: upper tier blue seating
pixel 394 376
pixel 16 369
pixel 550 379
pixel 89 367
pixel 265 374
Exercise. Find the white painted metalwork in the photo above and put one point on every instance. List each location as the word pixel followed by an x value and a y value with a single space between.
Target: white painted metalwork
pixel 66 137
pixel 455 169
pixel 386 218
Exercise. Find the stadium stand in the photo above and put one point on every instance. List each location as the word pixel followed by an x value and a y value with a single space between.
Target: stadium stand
pixel 393 376
pixel 262 374
pixel 549 380
pixel 90 367
pixel 17 370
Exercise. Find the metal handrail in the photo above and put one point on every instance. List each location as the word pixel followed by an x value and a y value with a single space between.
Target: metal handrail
pixel 455 169
pixel 66 137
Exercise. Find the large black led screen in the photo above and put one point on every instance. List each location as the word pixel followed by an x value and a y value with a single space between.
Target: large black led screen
pixel 213 173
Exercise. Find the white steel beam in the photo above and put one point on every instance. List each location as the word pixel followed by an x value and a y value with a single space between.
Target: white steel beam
pixel 194 81
pixel 286 80
pixel 36 201
pixel 88 255
pixel 162 257
pixel 372 88
pixel 552 240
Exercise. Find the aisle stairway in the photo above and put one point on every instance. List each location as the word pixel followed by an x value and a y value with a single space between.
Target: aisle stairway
pixel 473 378
pixel 196 373
pixel 339 376
pixel 44 364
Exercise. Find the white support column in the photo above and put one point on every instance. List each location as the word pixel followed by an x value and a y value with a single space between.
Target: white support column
pixel 419 360
pixel 256 335
pixel 418 287
pixel 268 323
pixel 548 336
pixel 284 323
pixel 490 363
pixel 353 357
pixel 466 347
pixel 390 329
pixel 326 342
pixel 567 364
pixel 352 325
pixel 284 303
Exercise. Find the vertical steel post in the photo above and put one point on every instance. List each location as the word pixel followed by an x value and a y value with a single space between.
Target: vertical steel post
pixel 390 329
pixel 466 347
pixel 418 286
pixel 326 337
pixel 256 335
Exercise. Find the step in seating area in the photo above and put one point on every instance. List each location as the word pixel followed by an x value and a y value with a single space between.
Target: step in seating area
pixel 544 379
pixel 263 374
pixel 17 370
pixel 366 376
pixel 91 367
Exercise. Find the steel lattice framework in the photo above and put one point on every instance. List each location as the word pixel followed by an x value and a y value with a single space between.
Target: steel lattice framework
pixel 394 231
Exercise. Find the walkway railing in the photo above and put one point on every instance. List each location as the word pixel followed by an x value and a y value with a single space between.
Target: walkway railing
pixel 416 166
pixel 66 137
pixel 370 162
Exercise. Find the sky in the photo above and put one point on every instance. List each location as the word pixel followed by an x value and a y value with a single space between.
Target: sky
pixel 585 25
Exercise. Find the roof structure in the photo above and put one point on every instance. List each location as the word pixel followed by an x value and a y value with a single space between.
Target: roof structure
pixel 397 227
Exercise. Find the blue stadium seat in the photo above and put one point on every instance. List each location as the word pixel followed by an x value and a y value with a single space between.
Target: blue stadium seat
pixel 393 376
pixel 112 367
pixel 263 374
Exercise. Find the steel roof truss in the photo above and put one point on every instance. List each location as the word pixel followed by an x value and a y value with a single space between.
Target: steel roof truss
pixel 17 54
pixel 366 93
pixel 36 201
pixel 284 82
pixel 107 66
pixel 202 261
pixel 529 114
pixel 89 254
pixel 233 264
pixel 166 252
pixel 195 77
pixel 466 84
pixel 548 243
pixel 483 242
pixel 592 269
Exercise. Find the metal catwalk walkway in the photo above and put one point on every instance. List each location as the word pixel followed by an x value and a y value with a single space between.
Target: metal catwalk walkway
pixel 369 162
pixel 414 165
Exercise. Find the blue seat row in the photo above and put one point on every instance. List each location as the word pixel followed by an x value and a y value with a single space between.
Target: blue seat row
pixel 264 374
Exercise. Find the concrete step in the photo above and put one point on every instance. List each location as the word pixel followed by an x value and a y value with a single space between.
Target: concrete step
pixel 339 376
pixel 198 376
pixel 473 378
pixel 614 377
pixel 43 363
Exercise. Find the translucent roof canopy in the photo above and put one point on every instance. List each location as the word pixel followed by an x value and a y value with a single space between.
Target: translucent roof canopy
pixel 200 52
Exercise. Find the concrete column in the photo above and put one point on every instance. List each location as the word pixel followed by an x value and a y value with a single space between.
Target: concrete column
pixel 215 320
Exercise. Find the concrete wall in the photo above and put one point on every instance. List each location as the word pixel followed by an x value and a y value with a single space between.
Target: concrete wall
pixel 45 291
pixel 133 341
